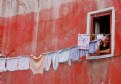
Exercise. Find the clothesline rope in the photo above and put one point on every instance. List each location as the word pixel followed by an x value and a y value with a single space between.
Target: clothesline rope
pixel 74 61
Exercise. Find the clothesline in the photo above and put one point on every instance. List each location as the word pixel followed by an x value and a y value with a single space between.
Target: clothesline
pixel 24 65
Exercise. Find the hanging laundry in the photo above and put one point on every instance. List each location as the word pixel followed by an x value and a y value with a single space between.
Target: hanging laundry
pixel 92 47
pixel 64 55
pixel 98 43
pixel 37 65
pixel 52 58
pixel 55 60
pixel 74 54
pixel 83 41
pixel 83 52
pixel 12 64
pixel 2 64
pixel 23 63
pixel 100 36
pixel 48 61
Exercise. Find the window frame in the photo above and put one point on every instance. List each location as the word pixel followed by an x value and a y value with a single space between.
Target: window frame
pixel 112 29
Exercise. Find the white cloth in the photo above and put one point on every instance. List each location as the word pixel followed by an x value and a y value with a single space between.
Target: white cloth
pixel 48 61
pixel 101 37
pixel 55 60
pixel 97 44
pixel 92 47
pixel 64 56
pixel 83 52
pixel 2 64
pixel 83 41
pixel 23 63
pixel 74 54
pixel 12 64
pixel 52 58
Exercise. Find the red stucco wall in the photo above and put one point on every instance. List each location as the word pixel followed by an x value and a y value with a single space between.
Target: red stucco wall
pixel 17 36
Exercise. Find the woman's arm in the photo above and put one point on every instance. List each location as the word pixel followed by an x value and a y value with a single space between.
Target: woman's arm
pixel 107 51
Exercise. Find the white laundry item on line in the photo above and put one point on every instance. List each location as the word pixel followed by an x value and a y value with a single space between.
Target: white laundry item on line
pixel 74 54
pixel 48 61
pixel 100 36
pixel 55 60
pixel 2 64
pixel 12 63
pixel 23 63
pixel 92 47
pixel 64 55
pixel 83 41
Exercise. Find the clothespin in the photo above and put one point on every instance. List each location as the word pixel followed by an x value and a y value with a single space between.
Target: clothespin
pixel 32 56
pixel 35 57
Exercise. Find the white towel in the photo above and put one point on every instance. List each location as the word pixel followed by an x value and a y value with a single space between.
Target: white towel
pixel 12 64
pixel 64 56
pixel 2 64
pixel 48 61
pixel 55 60
pixel 23 63
pixel 74 54
pixel 83 41
pixel 100 36
pixel 92 47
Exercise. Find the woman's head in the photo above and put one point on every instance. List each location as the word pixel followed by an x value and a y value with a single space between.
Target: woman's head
pixel 107 40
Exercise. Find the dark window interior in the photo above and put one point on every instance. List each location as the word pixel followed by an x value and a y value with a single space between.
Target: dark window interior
pixel 104 24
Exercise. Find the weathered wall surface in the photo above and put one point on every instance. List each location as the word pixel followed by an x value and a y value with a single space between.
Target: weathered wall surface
pixel 28 27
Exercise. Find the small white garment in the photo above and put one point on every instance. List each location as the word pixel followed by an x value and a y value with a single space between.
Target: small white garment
pixel 12 64
pixel 55 60
pixel 2 64
pixel 83 41
pixel 64 56
pixel 48 61
pixel 97 44
pixel 92 47
pixel 23 63
pixel 74 54
pixel 83 52
pixel 100 36
pixel 52 58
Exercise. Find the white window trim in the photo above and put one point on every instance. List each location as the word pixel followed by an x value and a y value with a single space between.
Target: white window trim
pixel 112 31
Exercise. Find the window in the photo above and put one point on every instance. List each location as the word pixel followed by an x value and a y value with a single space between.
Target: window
pixel 102 22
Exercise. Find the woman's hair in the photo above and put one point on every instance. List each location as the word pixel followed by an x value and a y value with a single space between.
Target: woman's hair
pixel 108 36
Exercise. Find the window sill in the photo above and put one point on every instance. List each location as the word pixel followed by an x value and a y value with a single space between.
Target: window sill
pixel 98 57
